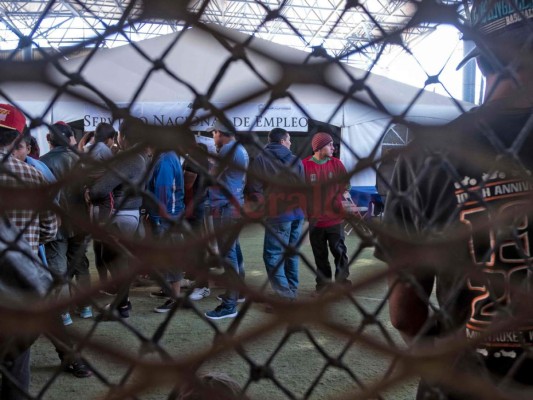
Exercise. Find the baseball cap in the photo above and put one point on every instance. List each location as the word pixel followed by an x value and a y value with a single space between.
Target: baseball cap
pixel 12 118
pixel 62 128
pixel 503 22
pixel 60 133
pixel 220 126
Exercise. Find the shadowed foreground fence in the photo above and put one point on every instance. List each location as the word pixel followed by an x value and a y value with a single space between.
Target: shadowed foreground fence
pixel 431 243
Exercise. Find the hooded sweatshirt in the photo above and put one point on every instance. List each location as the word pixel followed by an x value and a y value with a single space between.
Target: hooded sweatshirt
pixel 277 163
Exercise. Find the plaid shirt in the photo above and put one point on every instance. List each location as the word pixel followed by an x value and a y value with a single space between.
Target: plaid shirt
pixel 37 227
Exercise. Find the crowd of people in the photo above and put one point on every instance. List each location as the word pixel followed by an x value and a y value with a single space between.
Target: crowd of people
pixel 134 190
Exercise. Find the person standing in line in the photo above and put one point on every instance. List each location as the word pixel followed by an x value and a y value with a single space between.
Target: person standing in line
pixel 284 227
pixel 22 152
pixel 116 193
pixel 67 254
pixel 458 220
pixel 195 203
pixel 99 151
pixel 166 185
pixel 225 207
pixel 36 227
pixel 104 135
pixel 325 214
pixel 35 151
pixel 238 250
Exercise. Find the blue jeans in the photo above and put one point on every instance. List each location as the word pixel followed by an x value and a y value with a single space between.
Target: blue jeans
pixel 230 249
pixel 282 269
pixel 240 260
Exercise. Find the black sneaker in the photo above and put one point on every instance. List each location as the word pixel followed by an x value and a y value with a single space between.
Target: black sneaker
pixel 222 297
pixel 169 304
pixel 123 312
pixel 160 294
pixel 78 369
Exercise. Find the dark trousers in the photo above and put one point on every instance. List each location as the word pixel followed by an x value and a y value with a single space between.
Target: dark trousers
pixel 67 257
pixel 19 369
pixel 321 239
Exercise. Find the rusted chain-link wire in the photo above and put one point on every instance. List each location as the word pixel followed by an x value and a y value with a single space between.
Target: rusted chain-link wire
pixel 340 344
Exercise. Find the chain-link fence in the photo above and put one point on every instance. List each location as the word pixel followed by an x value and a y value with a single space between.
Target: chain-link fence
pixel 454 234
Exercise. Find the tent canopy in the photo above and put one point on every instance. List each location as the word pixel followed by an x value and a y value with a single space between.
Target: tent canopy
pixel 160 78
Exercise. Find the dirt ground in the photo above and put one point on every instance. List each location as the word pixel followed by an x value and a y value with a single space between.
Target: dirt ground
pixel 297 367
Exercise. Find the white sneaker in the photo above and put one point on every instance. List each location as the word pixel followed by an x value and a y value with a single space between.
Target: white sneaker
pixel 199 293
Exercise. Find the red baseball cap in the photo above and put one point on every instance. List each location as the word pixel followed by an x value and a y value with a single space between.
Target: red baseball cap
pixel 12 118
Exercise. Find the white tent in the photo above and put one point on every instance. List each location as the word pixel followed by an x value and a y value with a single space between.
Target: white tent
pixel 190 63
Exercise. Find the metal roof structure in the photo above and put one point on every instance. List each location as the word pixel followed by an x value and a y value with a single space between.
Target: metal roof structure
pixel 339 27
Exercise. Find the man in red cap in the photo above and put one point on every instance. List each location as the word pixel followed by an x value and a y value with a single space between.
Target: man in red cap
pixel 35 230
pixel 36 226
pixel 328 177
pixel 457 221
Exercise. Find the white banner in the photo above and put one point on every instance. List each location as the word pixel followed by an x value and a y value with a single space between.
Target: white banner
pixel 246 117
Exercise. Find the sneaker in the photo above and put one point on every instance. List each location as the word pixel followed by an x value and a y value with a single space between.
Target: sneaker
pixel 221 312
pixel 124 311
pixel 85 312
pixel 160 294
pixel 67 320
pixel 169 304
pixel 78 369
pixel 222 297
pixel 199 293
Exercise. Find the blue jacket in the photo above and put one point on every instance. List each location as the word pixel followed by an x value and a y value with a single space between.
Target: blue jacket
pixel 42 167
pixel 273 162
pixel 232 178
pixel 166 184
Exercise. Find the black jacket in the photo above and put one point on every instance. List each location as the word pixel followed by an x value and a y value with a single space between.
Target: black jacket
pixel 119 188
pixel 62 161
